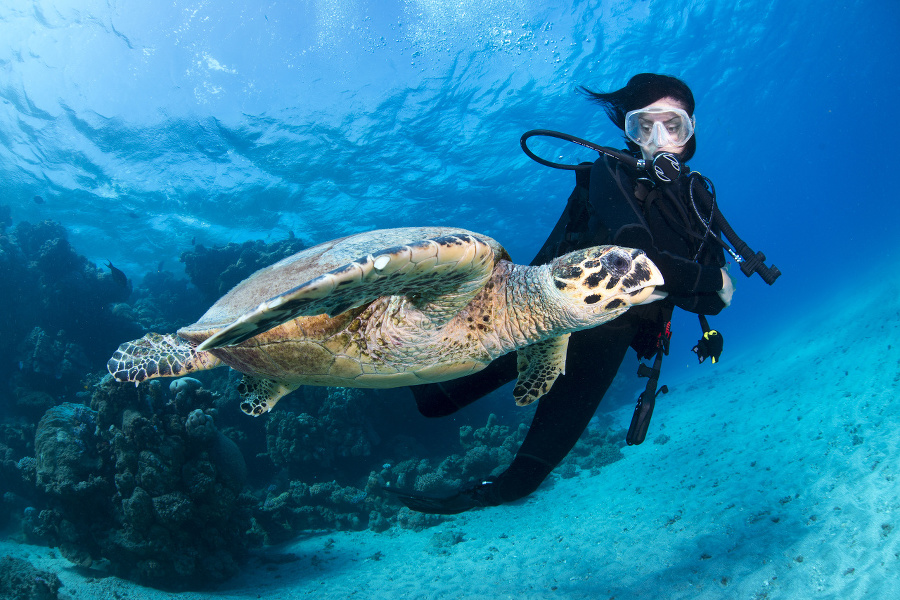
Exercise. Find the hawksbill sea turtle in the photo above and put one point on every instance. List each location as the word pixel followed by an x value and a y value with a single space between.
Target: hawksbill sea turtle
pixel 397 307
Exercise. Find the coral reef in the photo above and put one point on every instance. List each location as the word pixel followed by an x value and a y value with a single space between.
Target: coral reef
pixel 327 425
pixel 20 579
pixel 163 302
pixel 71 314
pixel 63 322
pixel 486 451
pixel 74 294
pixel 65 446
pixel 142 479
pixel 284 513
pixel 597 447
pixel 179 486
pixel 322 433
pixel 43 359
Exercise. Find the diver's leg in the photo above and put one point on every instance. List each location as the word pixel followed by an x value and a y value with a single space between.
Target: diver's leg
pixel 563 414
pixel 447 397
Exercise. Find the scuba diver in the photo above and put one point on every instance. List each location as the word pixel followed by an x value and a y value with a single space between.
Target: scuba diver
pixel 640 198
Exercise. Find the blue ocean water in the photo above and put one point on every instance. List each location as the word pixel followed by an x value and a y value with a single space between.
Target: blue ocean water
pixel 147 127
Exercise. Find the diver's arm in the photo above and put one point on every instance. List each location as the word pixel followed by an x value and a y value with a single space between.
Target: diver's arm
pixel 692 286
pixel 699 304
pixel 682 275
pixel 727 290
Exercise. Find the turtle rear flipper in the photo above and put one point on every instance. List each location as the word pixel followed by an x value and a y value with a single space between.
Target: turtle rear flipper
pixel 442 273
pixel 156 355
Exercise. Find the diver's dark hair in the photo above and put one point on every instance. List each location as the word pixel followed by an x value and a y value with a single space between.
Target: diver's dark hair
pixel 642 90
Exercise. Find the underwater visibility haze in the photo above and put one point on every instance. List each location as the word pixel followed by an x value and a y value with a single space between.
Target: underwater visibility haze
pixel 154 154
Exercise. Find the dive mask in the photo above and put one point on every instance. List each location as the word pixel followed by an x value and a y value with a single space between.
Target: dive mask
pixel 659 126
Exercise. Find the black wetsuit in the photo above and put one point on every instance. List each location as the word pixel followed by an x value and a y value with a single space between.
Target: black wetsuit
pixel 603 209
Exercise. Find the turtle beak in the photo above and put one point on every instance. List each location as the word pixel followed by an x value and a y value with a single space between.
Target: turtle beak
pixel 644 297
pixel 642 283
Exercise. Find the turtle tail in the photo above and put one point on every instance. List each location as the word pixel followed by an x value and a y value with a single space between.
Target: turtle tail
pixel 156 355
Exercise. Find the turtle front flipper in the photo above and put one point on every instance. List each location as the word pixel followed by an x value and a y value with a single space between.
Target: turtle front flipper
pixel 539 365
pixel 259 395
pixel 156 355
pixel 443 273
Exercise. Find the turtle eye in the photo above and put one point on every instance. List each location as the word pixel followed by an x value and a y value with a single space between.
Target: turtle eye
pixel 617 262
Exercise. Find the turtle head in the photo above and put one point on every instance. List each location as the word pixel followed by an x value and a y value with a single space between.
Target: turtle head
pixel 600 283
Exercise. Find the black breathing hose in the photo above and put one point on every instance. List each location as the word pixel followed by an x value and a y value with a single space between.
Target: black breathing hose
pixel 631 161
